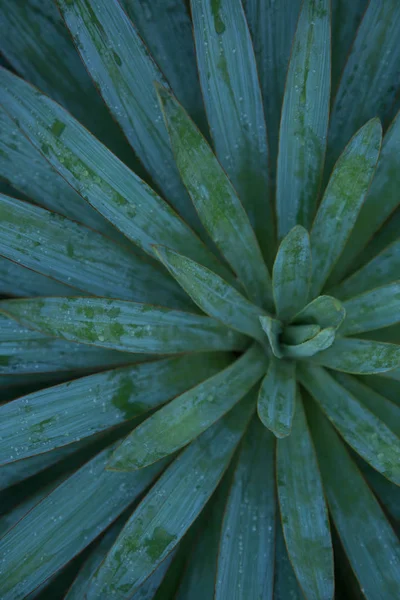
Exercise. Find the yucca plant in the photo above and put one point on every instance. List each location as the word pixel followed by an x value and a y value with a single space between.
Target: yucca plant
pixel 199 359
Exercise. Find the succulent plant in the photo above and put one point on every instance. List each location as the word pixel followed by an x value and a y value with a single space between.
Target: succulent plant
pixel 199 323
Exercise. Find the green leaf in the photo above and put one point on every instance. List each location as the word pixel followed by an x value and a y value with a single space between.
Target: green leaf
pixel 92 496
pixel 370 543
pixel 69 412
pixel 71 253
pixel 272 26
pixel 198 580
pixel 322 340
pixel 368 85
pixel 212 294
pixel 381 270
pixel 297 334
pixel 384 409
pixel 18 281
pixel 346 17
pixel 246 552
pixel 273 329
pixel 324 311
pixel 342 201
pixel 292 273
pixel 169 37
pixel 156 526
pixel 97 175
pixel 43 53
pixel 359 427
pixel 18 157
pixel 359 356
pixel 121 325
pixel 233 101
pixel 374 212
pixel 276 400
pixel 389 335
pixel 25 352
pixel 304 121
pixel 184 418
pixel 303 510
pixel 124 72
pixel 219 208
pixel 372 310
pixel 285 585
pixel 9 520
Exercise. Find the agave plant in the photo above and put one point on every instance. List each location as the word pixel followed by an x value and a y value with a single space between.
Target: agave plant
pixel 200 358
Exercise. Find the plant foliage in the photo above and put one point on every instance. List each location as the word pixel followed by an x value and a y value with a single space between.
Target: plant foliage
pixel 200 300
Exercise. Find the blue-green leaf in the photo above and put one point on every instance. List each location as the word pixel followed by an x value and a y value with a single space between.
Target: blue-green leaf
pixel 277 396
pixel 233 102
pixel 381 270
pixel 285 585
pixel 342 201
pixel 386 491
pixel 246 552
pixel 369 83
pixel 65 522
pixel 71 253
pixel 71 411
pixel 272 26
pixel 324 311
pixel 124 72
pixel 322 340
pixel 387 386
pixel 374 212
pixel 292 274
pixel 304 121
pixel 43 53
pixel 19 160
pixel 97 175
pixel 366 433
pixel 359 356
pixel 273 329
pixel 369 541
pixel 219 208
pixel 303 510
pixel 169 37
pixel 121 325
pixel 384 409
pixel 24 352
pixel 297 334
pixel 198 580
pixel 15 280
pixel 184 418
pixel 212 294
pixel 156 526
pixel 372 310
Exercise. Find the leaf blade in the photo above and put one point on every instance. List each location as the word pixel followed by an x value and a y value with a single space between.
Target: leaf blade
pixel 304 119
pixel 342 201
pixel 188 415
pixel 234 109
pixel 159 535
pixel 121 325
pixel 375 309
pixel 370 543
pixel 245 569
pixel 361 429
pixel 277 396
pixel 212 294
pixel 291 274
pixel 61 415
pixel 215 200
pixel 303 510
pixel 363 357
